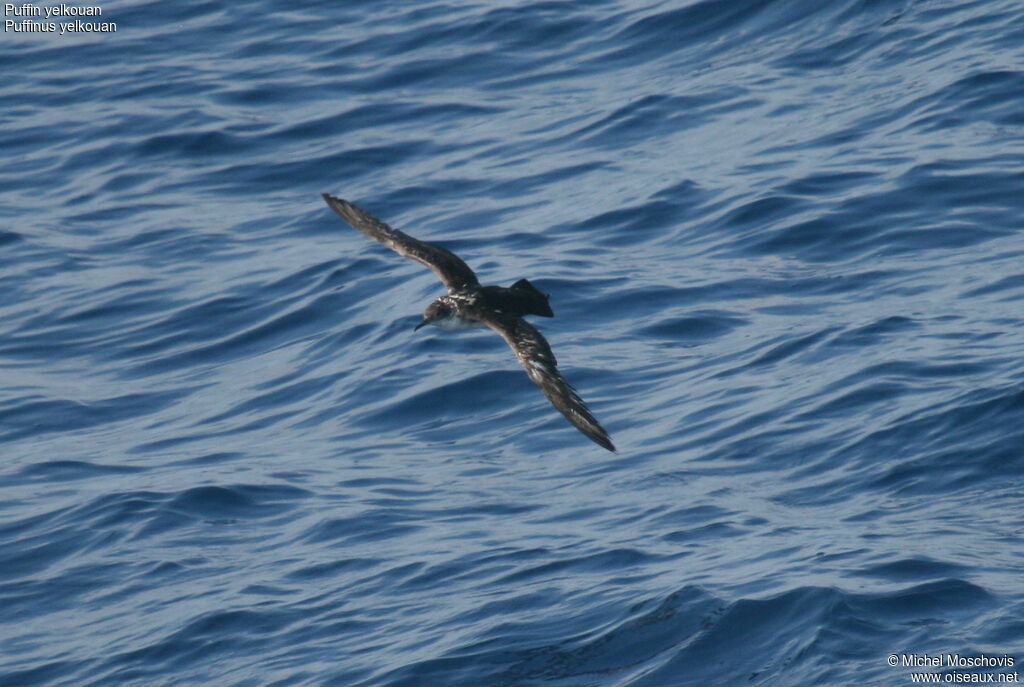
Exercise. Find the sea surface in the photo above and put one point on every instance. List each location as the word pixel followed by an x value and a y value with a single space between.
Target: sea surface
pixel 784 242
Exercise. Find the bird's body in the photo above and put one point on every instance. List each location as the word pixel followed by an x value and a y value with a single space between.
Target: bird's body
pixel 468 305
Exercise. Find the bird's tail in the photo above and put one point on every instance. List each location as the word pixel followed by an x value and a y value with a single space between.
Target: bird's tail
pixel 535 300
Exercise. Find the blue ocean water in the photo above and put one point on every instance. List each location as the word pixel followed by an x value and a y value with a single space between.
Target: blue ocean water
pixel 783 242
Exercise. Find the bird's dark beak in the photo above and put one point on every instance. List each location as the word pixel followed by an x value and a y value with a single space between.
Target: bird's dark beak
pixel 421 324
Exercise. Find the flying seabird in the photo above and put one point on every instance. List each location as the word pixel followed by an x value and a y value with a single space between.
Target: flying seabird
pixel 469 305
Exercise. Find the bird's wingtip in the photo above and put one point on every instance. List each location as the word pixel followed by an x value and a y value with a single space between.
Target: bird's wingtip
pixel 340 205
pixel 603 440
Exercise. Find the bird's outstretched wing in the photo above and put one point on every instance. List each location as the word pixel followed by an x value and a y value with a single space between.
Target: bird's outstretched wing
pixel 534 353
pixel 449 267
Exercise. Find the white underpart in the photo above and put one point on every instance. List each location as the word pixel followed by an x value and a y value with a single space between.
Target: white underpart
pixel 455 324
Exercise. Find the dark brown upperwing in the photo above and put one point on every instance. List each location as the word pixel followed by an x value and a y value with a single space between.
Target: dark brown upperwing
pixel 449 267
pixel 535 356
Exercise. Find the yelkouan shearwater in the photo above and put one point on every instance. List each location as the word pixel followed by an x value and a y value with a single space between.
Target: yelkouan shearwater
pixel 469 305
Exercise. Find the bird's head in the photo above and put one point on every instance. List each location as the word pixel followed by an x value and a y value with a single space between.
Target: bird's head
pixel 436 313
